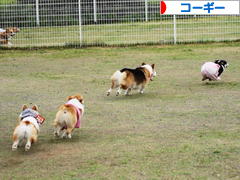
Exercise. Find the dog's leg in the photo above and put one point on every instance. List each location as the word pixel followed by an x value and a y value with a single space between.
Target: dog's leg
pixel 114 85
pixel 9 44
pixel 57 131
pixel 109 91
pixel 141 90
pixel 69 132
pixel 64 134
pixel 28 144
pixel 127 91
pixel 204 78
pixel 15 143
pixel 118 91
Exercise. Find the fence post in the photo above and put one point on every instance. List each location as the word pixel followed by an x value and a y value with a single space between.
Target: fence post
pixel 80 22
pixel 95 10
pixel 174 29
pixel 37 13
pixel 146 10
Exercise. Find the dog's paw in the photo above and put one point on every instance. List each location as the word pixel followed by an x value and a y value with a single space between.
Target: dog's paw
pixel 64 135
pixel 56 134
pixel 27 147
pixel 69 136
pixel 14 147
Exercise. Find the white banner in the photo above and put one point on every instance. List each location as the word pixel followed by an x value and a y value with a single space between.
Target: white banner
pixel 214 7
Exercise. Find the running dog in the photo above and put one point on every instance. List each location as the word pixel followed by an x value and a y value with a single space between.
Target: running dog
pixel 129 79
pixel 28 127
pixel 7 34
pixel 69 116
pixel 213 70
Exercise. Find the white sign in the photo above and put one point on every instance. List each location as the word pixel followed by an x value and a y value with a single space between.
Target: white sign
pixel 214 7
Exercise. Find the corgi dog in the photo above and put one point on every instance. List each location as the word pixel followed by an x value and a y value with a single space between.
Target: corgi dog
pixel 213 70
pixel 129 79
pixel 69 116
pixel 28 127
pixel 7 34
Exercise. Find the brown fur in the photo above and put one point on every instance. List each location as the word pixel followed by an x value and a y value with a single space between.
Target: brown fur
pixel 26 122
pixel 14 137
pixel 5 36
pixel 147 73
pixel 19 131
pixel 128 81
pixel 66 117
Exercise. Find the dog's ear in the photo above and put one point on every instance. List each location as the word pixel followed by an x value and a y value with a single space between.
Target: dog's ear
pixel 80 98
pixel 153 65
pixel 143 64
pixel 35 108
pixel 223 62
pixel 217 61
pixel 70 97
pixel 24 107
pixel 81 101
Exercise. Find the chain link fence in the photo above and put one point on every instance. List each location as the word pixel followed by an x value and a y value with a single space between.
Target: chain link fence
pixel 45 23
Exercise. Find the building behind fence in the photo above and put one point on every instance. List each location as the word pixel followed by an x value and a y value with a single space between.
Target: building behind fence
pixel 109 22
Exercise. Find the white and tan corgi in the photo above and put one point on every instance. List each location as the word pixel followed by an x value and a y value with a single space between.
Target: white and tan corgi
pixel 69 116
pixel 7 34
pixel 28 127
pixel 129 79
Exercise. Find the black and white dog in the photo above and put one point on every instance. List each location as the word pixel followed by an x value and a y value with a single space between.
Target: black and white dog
pixel 213 70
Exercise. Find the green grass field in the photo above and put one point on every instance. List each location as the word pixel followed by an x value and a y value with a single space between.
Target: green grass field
pixel 181 128
pixel 199 29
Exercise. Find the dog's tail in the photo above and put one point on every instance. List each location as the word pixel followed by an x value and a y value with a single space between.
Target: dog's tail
pixel 64 114
pixel 26 123
pixel 24 130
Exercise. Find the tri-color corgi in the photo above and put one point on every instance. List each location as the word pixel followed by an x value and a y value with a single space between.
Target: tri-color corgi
pixel 69 116
pixel 129 79
pixel 28 127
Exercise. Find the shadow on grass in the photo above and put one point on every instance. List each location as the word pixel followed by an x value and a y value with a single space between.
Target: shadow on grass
pixel 132 96
pixel 85 135
pixel 222 84
pixel 45 142
pixel 11 162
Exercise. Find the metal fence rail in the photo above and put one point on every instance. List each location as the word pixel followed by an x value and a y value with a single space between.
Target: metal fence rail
pixel 108 22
